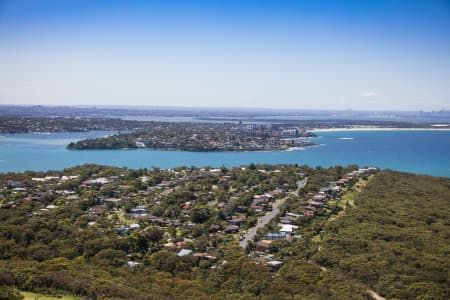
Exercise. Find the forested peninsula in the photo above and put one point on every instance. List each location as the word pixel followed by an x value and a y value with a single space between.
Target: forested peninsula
pixel 94 232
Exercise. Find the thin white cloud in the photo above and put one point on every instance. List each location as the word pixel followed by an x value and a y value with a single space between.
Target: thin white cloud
pixel 369 94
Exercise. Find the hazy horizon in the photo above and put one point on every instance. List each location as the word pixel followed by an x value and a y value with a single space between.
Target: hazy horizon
pixel 248 109
pixel 196 107
pixel 302 55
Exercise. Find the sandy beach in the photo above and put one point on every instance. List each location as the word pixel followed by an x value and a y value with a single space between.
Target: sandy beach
pixel 368 128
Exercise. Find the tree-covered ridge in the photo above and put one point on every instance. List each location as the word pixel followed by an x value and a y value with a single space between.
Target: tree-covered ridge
pixel 396 239
pixel 203 137
pixel 30 124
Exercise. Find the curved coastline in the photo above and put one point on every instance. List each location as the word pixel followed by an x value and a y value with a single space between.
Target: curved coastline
pixel 369 128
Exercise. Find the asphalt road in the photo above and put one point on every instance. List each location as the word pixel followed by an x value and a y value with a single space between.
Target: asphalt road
pixel 264 220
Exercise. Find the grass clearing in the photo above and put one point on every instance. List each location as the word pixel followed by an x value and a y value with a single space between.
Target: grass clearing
pixel 349 197
pixel 123 219
pixel 38 296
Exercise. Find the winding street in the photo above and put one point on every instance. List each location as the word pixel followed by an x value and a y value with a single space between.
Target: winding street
pixel 264 220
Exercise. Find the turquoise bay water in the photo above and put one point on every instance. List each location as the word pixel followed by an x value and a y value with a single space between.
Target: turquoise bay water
pixel 424 152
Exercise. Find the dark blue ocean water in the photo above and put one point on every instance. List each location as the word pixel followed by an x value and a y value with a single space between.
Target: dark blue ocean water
pixel 424 152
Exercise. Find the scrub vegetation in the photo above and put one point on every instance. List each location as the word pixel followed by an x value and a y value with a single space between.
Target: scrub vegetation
pixel 110 233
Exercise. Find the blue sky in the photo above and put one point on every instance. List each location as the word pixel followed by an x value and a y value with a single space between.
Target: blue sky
pixel 308 54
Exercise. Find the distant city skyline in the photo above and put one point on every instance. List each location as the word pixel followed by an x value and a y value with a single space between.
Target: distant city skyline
pixel 360 55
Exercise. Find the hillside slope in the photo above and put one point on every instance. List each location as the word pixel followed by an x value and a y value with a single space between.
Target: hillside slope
pixel 396 239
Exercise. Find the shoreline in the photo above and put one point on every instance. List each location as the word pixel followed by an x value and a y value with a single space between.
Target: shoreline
pixel 294 148
pixel 335 129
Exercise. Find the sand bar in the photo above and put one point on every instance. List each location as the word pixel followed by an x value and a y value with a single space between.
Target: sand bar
pixel 370 128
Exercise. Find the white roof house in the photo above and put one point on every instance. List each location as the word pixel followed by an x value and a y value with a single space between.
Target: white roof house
pixel 287 227
pixel 184 252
